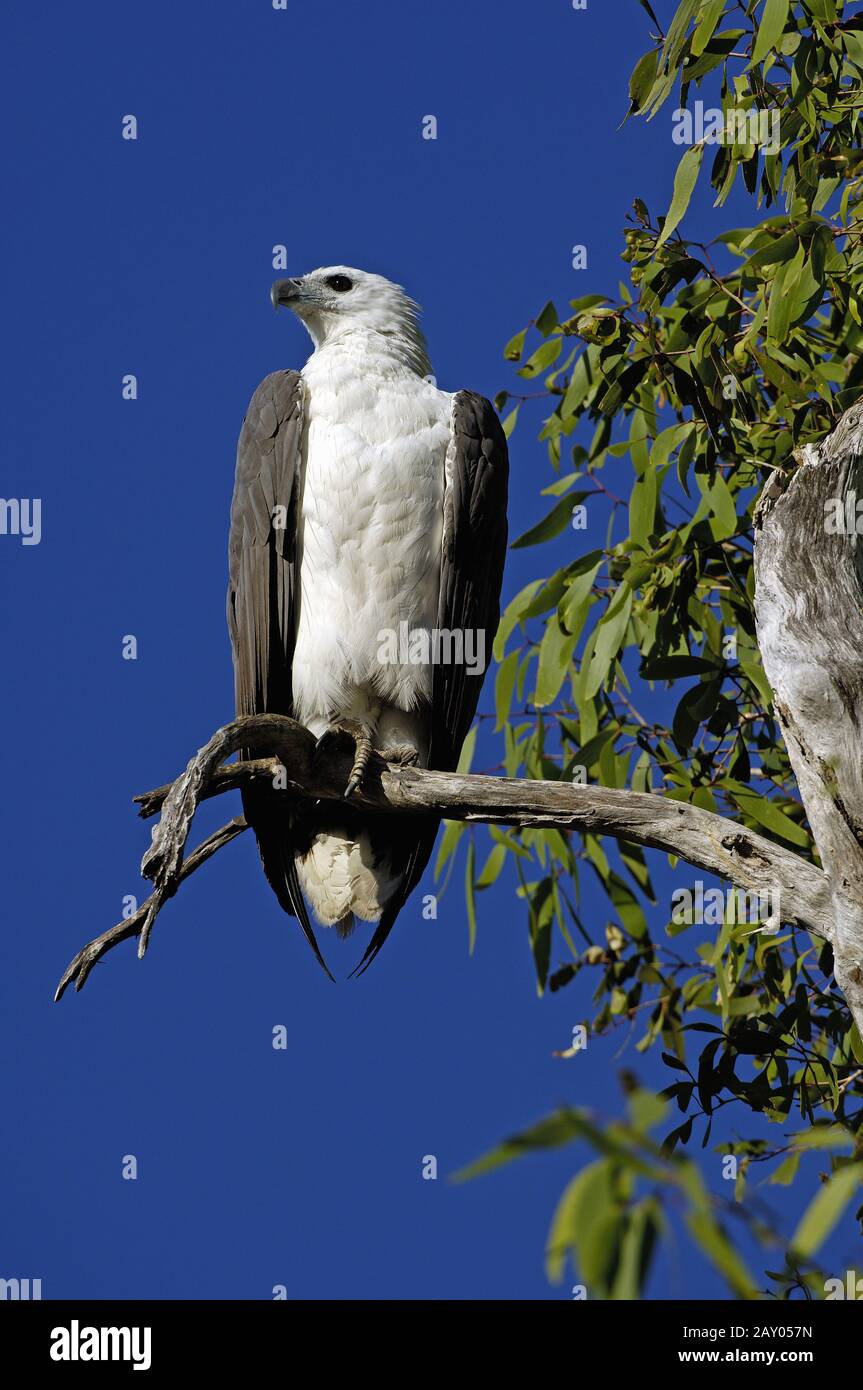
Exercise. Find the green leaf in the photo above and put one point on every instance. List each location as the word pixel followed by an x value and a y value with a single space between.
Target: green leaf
pixel 825 1209
pixel 557 520
pixel 642 508
pixel 780 248
pixel 492 866
pixel 707 22
pixel 785 1174
pixel 665 443
pixel 642 1228
pixel 783 297
pixel 768 814
pixel 590 1225
pixel 540 906
pixel 504 684
pixel 562 1127
pixel 643 78
pixel 579 591
pixel 824 1137
pixel 678 30
pixel 724 520
pixel 590 751
pixel 469 897
pixel 610 633
pixel 514 348
pixel 551 1132
pixel 512 615
pixel 547 321
pixel 621 389
pixel 452 833
pixel 548 597
pixel 773 20
pixel 721 1253
pixel 586 1194
pixel 555 657
pixel 467 751
pixel 545 354
pixel 599 1248
pixel 561 485
pixel 684 182
pixel 581 382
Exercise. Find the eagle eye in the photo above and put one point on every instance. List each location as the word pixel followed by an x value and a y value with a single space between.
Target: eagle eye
pixel 340 282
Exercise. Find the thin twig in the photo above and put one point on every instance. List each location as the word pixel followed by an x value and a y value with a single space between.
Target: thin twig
pixel 80 967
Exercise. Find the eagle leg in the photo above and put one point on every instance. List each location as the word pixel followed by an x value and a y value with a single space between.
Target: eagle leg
pixel 361 737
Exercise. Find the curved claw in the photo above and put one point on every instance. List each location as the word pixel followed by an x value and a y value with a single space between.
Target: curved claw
pixel 362 741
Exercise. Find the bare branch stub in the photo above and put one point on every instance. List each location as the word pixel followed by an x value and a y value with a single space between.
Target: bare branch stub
pixel 228 777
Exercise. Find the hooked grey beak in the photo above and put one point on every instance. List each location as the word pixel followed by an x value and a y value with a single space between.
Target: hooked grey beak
pixel 285 292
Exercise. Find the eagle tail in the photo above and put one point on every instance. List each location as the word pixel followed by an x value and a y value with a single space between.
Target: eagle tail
pixel 345 925
pixel 277 858
pixel 418 857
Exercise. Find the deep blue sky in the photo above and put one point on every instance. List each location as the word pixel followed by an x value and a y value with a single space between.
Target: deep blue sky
pixel 257 127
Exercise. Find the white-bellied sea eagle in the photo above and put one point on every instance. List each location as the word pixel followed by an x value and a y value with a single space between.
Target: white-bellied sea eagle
pixel 368 532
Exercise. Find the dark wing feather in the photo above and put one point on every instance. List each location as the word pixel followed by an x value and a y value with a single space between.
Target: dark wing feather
pixel 473 550
pixel 473 553
pixel 263 576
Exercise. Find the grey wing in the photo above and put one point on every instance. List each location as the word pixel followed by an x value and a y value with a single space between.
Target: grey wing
pixel 262 562
pixel 473 550
pixel 263 570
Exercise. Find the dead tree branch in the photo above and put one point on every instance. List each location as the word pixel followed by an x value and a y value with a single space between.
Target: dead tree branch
pixel 709 842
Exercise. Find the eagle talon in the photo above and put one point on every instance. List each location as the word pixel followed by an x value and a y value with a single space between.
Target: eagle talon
pixel 363 745
pixel 330 735
pixel 362 741
pixel 401 755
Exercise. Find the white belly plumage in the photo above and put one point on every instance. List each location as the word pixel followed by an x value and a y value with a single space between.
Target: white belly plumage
pixel 375 447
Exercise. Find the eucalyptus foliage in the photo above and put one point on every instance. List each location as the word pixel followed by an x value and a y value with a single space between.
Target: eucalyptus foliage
pixel 635 664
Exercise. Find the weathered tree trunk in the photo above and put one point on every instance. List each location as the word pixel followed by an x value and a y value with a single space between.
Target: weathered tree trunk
pixel 808 597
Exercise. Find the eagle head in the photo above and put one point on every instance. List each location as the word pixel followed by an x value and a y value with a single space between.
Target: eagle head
pixel 337 302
